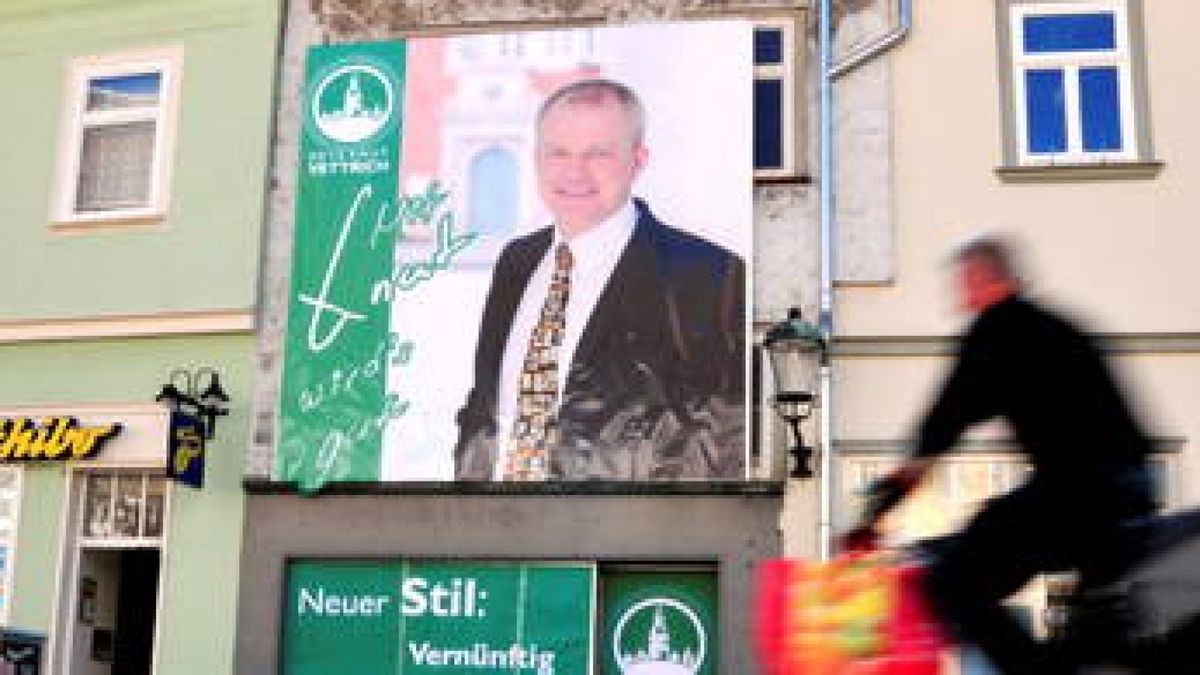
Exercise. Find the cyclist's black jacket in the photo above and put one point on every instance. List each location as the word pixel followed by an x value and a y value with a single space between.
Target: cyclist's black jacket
pixel 1037 370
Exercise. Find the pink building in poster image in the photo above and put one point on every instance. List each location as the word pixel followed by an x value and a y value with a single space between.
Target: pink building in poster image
pixel 468 123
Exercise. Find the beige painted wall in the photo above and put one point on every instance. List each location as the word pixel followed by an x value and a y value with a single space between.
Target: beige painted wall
pixel 1118 253
pixel 1121 251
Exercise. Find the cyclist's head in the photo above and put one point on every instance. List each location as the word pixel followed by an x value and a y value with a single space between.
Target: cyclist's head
pixel 987 272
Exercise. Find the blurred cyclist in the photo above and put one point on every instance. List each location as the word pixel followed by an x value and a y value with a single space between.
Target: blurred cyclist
pixel 1088 453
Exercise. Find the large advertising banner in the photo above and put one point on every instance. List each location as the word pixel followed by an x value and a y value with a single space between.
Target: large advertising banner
pixel 438 618
pixel 522 257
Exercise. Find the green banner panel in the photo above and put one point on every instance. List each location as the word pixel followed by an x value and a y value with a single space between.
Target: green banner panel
pixel 448 618
pixel 333 403
pixel 659 622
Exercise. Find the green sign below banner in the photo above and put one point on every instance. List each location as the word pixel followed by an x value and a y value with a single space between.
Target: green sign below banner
pixel 448 618
pixel 659 623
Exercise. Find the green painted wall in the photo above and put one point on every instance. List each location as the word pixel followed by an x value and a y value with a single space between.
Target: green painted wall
pixel 205 254
pixel 203 539
pixel 39 548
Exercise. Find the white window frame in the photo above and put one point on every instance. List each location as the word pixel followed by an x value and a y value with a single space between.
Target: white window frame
pixel 11 494
pixel 168 62
pixel 1070 64
pixel 785 72
pixel 119 541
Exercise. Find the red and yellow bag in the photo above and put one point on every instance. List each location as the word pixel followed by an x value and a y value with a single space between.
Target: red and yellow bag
pixel 855 615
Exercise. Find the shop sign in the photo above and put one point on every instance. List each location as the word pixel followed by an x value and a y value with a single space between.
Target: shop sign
pixel 185 450
pixel 51 439
pixel 410 617
pixel 659 622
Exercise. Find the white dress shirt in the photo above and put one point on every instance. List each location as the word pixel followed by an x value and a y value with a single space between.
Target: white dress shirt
pixel 595 254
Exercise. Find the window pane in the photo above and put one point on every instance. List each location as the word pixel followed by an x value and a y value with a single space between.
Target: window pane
pixel 1100 98
pixel 128 511
pixel 125 91
pixel 768 124
pixel 1045 111
pixel 768 46
pixel 154 507
pixel 494 189
pixel 97 517
pixel 114 166
pixel 1069 32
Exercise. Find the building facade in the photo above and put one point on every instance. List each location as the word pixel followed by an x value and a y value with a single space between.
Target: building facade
pixel 1060 123
pixel 132 208
pixel 669 563
pixel 1061 126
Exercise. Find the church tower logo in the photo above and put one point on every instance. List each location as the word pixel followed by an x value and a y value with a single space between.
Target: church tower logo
pixel 659 636
pixel 352 103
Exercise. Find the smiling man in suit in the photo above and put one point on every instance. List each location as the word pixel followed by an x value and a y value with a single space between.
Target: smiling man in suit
pixel 612 345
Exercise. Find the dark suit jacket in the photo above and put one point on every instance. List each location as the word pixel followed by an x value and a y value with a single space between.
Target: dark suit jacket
pixel 655 388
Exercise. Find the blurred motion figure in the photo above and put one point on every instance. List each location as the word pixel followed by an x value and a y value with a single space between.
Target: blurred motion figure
pixel 1041 373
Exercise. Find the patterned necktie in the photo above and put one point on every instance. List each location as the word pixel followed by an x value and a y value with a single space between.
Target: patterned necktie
pixel 536 427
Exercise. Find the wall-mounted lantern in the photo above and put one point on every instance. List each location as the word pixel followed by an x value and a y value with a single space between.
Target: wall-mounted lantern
pixel 797 351
pixel 182 393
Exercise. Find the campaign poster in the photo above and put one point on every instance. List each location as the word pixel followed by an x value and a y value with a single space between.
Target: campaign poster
pixel 522 257
pixel 429 617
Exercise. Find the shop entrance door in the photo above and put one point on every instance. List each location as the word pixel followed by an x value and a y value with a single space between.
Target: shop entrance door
pixel 109 605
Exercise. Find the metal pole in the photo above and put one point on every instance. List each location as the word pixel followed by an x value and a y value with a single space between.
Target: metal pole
pixel 825 321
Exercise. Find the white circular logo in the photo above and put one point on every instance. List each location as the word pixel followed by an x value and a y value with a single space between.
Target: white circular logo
pixel 655 655
pixel 352 103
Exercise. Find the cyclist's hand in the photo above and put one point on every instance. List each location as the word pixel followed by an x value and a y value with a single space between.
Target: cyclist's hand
pixel 862 538
pixel 884 494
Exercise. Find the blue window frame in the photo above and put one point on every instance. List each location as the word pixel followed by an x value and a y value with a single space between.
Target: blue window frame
pixel 768 124
pixel 774 139
pixel 1070 32
pixel 768 45
pixel 1072 75
pixel 1100 103
pixel 1046 110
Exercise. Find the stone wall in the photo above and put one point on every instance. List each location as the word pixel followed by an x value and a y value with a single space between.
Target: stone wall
pixel 356 19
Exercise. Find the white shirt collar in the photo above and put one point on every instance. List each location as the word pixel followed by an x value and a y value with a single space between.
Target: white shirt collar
pixel 611 234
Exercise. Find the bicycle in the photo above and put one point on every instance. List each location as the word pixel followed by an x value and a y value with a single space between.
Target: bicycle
pixel 1135 610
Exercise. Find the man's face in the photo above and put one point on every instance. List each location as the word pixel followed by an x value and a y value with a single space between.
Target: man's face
pixel 587 161
pixel 979 285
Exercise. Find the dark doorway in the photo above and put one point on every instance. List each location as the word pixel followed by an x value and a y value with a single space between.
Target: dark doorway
pixel 137 602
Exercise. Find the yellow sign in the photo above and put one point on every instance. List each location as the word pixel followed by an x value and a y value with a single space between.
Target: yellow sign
pixel 191 449
pixel 55 439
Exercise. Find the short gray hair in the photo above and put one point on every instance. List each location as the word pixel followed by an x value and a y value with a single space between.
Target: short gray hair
pixel 998 254
pixel 597 92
